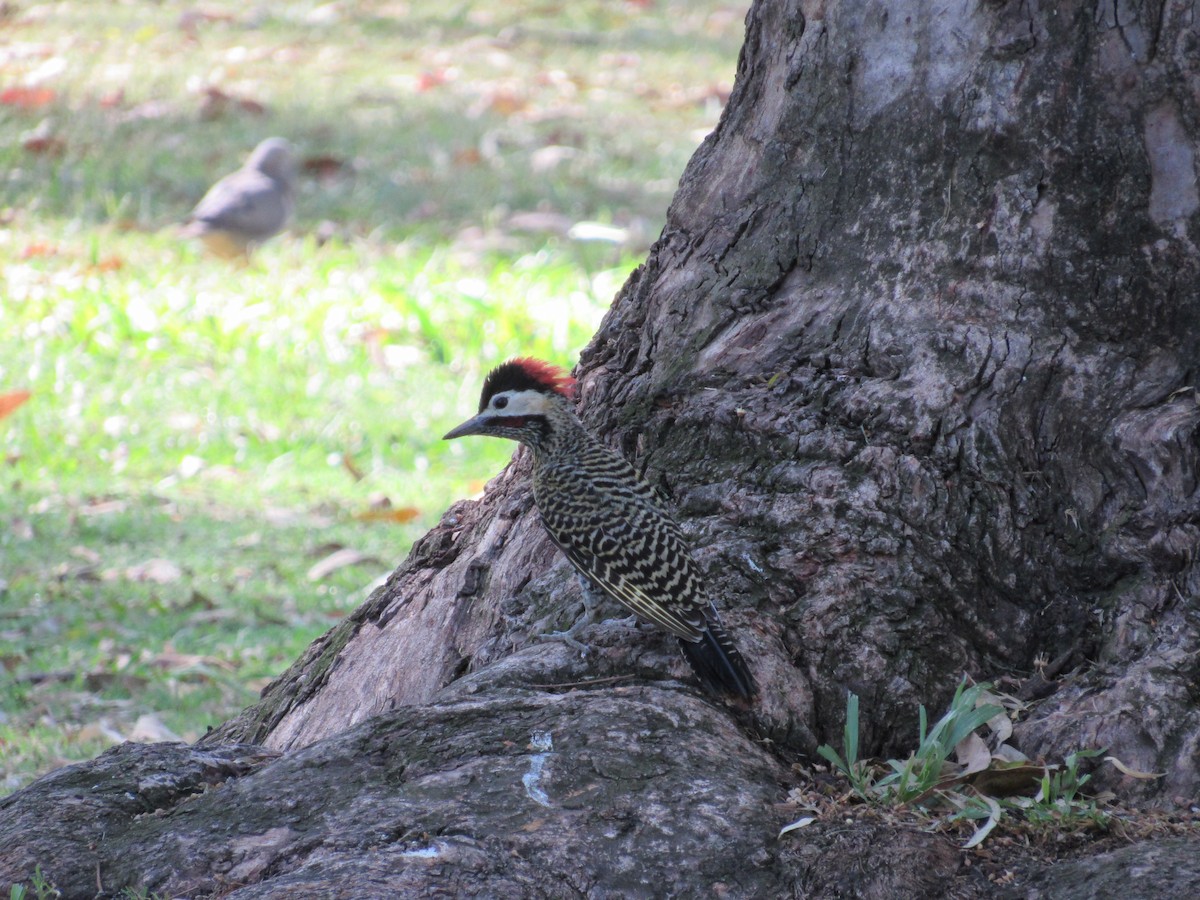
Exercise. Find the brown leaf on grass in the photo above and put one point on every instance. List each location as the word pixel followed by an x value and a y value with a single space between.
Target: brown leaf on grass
pixel 148 111
pixel 192 17
pixel 1131 772
pixel 103 679
pixel 548 158
pixel 108 264
pixel 197 601
pixel 972 754
pixel 215 103
pixel 68 572
pixel 351 466
pixel 338 559
pixel 85 553
pixel 469 156
pixel 399 515
pixel 27 97
pixel 39 249
pixel 156 571
pixel 1005 780
pixel 98 507
pixel 42 141
pixel 10 400
pixel 282 517
pixel 149 729
pixel 171 660
pixel 323 167
pixel 429 80
pixel 98 730
pixel 507 103
pixel 540 222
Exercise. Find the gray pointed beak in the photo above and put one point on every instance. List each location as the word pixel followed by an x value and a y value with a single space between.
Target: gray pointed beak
pixel 471 426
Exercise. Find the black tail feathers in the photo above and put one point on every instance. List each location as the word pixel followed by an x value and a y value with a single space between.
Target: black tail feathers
pixel 717 662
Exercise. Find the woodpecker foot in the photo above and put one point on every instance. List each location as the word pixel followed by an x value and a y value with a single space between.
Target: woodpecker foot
pixel 568 638
pixel 591 600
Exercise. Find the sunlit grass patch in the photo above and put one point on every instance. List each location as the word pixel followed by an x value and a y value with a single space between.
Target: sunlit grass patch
pixel 201 438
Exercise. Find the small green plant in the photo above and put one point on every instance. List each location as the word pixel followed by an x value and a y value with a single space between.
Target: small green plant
pixel 947 770
pixel 854 770
pixel 1060 802
pixel 921 772
pixel 42 889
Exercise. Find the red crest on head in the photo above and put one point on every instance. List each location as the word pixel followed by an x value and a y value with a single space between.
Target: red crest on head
pixel 548 375
pixel 527 374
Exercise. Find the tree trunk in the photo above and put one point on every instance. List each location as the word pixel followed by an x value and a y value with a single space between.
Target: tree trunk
pixel 915 357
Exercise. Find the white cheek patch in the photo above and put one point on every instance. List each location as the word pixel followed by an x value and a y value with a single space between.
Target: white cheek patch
pixel 524 403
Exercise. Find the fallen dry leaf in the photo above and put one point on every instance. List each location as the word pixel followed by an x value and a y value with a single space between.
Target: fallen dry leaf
pixel 1009 780
pixel 148 111
pixel 400 514
pixel 27 97
pixel 351 466
pixel 149 729
pixel 215 103
pixel 42 141
pixel 429 80
pixel 1131 772
pixel 322 167
pixel 102 507
pixel 171 660
pixel 972 754
pixel 108 264
pixel 39 249
pixel 506 103
pixel 191 18
pixel 799 823
pixel 338 559
pixel 469 156
pixel 540 222
pixel 87 554
pixel 11 400
pixel 158 571
pixel 282 517
pixel 99 730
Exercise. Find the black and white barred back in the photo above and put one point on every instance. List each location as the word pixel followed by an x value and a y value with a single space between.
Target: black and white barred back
pixel 609 522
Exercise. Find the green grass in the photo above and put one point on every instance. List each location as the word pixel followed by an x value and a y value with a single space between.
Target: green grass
pixel 242 423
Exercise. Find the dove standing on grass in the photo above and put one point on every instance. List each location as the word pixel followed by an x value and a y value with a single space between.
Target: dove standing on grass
pixel 249 206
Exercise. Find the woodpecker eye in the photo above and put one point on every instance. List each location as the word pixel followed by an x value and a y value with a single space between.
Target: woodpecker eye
pixel 500 402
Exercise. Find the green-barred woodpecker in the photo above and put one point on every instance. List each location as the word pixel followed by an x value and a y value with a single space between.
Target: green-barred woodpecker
pixel 609 522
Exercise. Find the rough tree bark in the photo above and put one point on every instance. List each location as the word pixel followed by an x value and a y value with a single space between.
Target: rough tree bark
pixel 915 356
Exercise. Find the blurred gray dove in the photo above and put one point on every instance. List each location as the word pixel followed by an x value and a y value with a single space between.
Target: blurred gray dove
pixel 249 206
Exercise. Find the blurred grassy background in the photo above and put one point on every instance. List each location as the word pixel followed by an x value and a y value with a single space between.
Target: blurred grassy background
pixel 215 462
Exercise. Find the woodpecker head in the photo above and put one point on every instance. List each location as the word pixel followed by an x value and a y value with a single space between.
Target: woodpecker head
pixel 521 400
